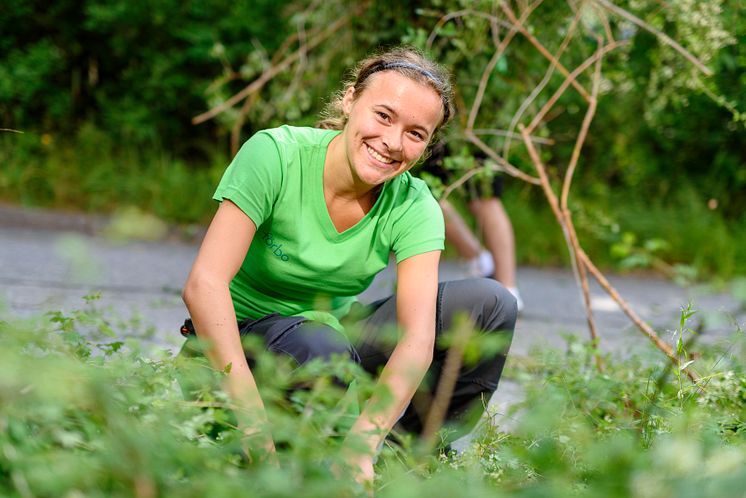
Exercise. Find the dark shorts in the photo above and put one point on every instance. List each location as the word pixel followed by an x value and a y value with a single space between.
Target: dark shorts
pixel 489 305
pixel 480 186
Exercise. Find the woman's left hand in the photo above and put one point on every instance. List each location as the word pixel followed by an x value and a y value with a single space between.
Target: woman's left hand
pixel 359 465
pixel 362 468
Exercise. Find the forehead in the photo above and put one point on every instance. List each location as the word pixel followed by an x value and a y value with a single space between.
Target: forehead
pixel 405 96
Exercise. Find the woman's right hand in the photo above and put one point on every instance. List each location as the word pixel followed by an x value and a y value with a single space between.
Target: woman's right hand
pixel 257 445
pixel 207 296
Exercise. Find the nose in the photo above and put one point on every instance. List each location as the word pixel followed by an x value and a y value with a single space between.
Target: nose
pixel 392 139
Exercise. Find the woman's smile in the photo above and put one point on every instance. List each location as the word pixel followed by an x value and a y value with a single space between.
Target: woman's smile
pixel 378 157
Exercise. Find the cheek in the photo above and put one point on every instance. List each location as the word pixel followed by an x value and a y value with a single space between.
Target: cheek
pixel 415 151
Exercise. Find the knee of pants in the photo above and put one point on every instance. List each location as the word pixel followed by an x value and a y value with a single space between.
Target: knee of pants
pixel 490 305
pixel 313 340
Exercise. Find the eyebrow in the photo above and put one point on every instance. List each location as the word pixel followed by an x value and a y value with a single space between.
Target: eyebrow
pixel 392 111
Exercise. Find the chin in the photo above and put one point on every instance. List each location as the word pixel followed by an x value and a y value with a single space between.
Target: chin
pixel 375 176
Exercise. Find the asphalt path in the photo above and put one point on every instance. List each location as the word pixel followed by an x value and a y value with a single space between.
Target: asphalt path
pixel 44 268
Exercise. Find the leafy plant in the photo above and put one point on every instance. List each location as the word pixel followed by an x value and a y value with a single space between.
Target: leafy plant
pixel 86 414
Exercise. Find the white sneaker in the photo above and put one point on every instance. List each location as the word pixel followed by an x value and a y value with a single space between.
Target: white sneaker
pixel 517 296
pixel 481 266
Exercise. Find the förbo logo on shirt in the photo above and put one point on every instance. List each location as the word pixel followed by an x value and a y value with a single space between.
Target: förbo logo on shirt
pixel 270 243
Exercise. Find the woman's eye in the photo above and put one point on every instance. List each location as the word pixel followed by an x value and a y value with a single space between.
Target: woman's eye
pixel 417 135
pixel 383 115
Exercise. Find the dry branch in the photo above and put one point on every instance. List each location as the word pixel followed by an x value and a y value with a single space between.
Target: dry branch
pixel 605 21
pixel 571 77
pixel 579 266
pixel 271 72
pixel 593 102
pixel 542 50
pixel 662 36
pixel 585 260
pixel 503 164
pixel 301 36
pixel 644 327
pixel 499 50
pixel 439 407
pixel 511 134
pixel 581 263
pixel 461 13
pixel 544 81
pixel 565 221
pixel 460 181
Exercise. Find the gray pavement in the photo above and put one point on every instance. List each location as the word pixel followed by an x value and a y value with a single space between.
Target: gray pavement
pixel 43 268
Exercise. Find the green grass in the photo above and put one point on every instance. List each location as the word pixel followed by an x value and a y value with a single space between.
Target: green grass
pixel 93 175
pixel 625 231
pixel 85 413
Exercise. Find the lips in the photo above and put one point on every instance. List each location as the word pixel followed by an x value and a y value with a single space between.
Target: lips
pixel 378 157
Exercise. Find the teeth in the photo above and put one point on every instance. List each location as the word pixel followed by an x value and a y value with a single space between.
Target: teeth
pixel 379 157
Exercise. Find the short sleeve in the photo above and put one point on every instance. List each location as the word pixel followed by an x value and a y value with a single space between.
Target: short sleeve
pixel 253 179
pixel 420 228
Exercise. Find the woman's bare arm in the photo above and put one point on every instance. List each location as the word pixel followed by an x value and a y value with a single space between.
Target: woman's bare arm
pixel 208 299
pixel 416 293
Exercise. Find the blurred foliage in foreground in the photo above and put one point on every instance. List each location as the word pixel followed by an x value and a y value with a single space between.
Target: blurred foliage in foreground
pixel 105 91
pixel 86 413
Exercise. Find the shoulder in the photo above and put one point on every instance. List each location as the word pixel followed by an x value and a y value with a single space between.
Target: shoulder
pixel 417 220
pixel 410 190
pixel 285 145
pixel 295 136
pixel 409 198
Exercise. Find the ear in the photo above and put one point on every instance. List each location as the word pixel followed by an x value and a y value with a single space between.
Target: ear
pixel 348 99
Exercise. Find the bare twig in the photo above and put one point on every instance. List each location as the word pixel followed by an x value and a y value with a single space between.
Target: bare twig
pixel 605 21
pixel 579 266
pixel 501 162
pixel 499 50
pixel 644 327
pixel 585 260
pixel 302 49
pixel 581 276
pixel 273 71
pixel 511 134
pixel 571 238
pixel 542 50
pixel 581 263
pixel 460 181
pixel 662 36
pixel 571 77
pixel 439 407
pixel 11 130
pixel 301 36
pixel 583 133
pixel 461 13
pixel 538 89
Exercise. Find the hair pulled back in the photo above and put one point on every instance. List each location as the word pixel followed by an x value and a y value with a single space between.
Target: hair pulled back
pixel 406 61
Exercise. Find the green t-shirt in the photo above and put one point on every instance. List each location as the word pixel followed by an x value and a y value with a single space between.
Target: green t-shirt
pixel 298 264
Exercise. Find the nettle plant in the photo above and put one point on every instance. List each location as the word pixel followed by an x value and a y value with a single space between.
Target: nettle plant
pixel 86 414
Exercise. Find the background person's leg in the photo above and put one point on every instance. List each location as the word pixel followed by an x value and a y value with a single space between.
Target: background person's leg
pixel 476 260
pixel 493 311
pixel 497 233
pixel 459 234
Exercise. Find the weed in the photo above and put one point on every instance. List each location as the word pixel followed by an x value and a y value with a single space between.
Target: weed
pixel 85 413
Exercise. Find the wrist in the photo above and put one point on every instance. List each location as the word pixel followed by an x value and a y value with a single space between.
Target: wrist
pixel 368 435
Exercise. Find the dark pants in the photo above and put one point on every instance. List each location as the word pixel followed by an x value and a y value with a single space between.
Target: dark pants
pixel 489 306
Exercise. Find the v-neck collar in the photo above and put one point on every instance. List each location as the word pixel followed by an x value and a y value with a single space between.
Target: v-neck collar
pixel 322 211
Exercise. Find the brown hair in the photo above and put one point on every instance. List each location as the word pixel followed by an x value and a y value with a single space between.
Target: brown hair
pixel 407 61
